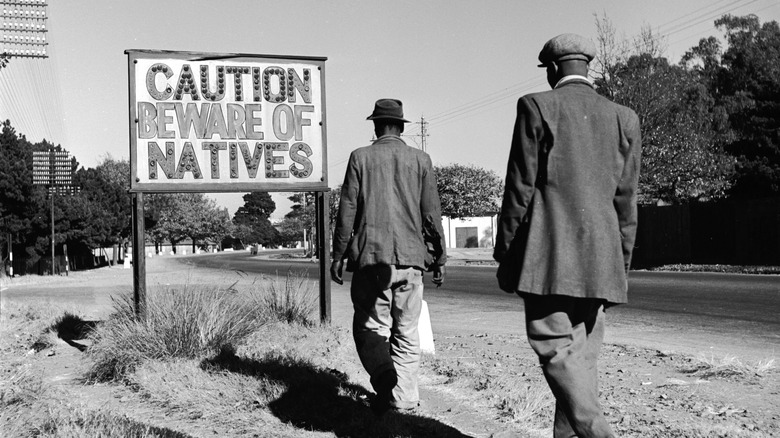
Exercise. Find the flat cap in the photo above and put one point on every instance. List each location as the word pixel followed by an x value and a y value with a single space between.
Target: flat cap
pixel 565 47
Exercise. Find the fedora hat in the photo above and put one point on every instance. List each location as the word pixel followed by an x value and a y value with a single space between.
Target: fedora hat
pixel 391 109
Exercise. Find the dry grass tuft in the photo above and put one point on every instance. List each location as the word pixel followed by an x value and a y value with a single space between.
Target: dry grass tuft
pixel 191 322
pixel 707 367
pixel 526 404
pixel 291 299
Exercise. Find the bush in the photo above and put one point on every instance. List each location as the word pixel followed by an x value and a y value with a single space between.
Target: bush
pixel 192 322
pixel 292 300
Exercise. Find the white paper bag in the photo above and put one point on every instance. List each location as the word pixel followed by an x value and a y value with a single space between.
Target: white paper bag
pixel 424 328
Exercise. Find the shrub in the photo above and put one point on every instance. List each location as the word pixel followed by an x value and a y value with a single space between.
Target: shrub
pixel 191 322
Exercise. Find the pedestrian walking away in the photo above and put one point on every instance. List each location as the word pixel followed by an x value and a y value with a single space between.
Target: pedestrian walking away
pixel 567 226
pixel 388 214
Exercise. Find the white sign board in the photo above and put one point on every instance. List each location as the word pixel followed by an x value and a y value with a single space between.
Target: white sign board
pixel 202 122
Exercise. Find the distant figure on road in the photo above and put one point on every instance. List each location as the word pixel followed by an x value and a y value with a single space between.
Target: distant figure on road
pixel 388 201
pixel 567 226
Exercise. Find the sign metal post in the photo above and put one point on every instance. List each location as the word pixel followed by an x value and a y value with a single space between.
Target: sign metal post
pixel 139 259
pixel 323 250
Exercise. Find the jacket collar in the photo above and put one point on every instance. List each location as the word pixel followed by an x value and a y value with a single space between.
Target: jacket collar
pixel 573 79
pixel 388 137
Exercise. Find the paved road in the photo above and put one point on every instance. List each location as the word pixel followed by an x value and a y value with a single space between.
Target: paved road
pixel 696 312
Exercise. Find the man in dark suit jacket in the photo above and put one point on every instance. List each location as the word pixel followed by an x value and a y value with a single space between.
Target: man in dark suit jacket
pixel 567 226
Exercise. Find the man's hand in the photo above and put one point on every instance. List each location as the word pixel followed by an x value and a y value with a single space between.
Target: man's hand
pixel 438 275
pixel 336 269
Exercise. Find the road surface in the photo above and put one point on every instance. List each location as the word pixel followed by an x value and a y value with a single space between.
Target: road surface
pixel 702 313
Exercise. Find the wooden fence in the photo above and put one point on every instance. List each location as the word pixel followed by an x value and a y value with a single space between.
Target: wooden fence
pixel 726 232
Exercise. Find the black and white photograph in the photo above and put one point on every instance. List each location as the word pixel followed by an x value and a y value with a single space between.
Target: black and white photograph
pixel 390 219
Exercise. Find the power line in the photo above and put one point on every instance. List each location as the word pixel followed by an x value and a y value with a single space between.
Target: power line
pixel 707 17
pixel 698 33
pixel 658 28
pixel 697 16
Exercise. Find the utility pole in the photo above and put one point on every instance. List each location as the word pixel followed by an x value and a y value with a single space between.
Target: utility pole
pixel 423 134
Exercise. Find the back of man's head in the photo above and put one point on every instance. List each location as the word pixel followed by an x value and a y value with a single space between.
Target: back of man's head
pixel 388 126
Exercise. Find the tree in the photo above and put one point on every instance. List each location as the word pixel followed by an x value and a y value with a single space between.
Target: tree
pixel 683 132
pixel 211 223
pixel 301 217
pixel 468 191
pixel 180 215
pixel 25 209
pixel 16 190
pixel 745 82
pixel 253 219
pixel 333 211
pixel 290 230
pixel 100 214
pixel 307 214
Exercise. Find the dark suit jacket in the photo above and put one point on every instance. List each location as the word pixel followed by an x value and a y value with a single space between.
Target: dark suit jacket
pixel 389 190
pixel 568 219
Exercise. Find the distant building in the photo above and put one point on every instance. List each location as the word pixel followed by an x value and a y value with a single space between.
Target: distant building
pixel 473 232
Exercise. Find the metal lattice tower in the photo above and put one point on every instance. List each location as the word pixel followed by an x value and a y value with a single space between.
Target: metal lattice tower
pixel 23 29
pixel 53 169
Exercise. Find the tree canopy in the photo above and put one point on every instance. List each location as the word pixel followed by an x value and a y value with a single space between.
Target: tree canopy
pixel 25 209
pixel 468 191
pixel 252 220
pixel 683 129
pixel 744 80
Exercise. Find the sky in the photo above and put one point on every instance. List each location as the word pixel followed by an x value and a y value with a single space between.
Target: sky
pixel 460 64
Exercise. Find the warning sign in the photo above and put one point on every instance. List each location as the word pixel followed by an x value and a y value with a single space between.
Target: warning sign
pixel 203 122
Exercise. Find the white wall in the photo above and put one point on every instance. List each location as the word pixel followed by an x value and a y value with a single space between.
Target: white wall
pixel 486 230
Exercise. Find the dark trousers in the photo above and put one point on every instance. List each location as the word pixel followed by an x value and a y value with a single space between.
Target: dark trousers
pixel 566 333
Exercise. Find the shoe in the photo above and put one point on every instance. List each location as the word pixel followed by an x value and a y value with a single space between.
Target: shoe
pixel 383 384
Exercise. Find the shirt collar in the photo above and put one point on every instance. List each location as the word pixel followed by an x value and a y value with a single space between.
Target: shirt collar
pixel 570 78
pixel 388 136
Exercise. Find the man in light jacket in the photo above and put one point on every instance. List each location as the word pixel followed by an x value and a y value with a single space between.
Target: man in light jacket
pixel 567 226
pixel 389 200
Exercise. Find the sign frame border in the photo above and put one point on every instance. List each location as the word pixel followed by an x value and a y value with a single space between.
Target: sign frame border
pixel 137 187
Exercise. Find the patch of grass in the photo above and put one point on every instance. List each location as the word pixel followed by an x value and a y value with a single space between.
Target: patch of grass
pixel 525 404
pixel 187 322
pixel 728 269
pixel 292 299
pixel 523 400
pixel 186 388
pixel 50 419
pixel 28 407
pixel 707 367
pixel 28 327
pixel 19 388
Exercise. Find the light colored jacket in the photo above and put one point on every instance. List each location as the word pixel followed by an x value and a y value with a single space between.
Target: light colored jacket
pixel 389 190
pixel 568 218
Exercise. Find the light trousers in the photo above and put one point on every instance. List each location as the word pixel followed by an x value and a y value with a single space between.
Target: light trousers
pixel 387 302
pixel 566 333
